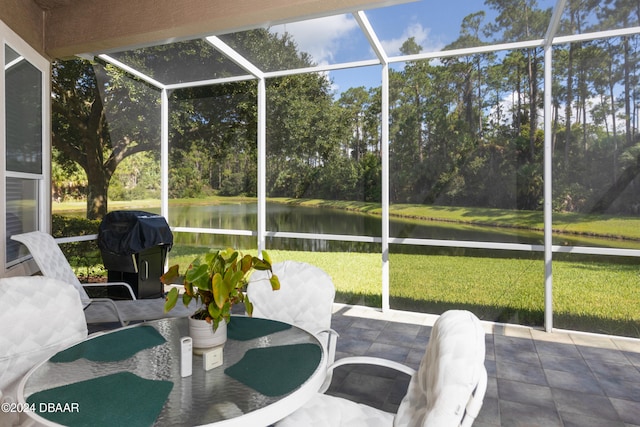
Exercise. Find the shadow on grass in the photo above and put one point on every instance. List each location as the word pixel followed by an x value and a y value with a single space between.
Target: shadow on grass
pixel 627 328
pixel 500 314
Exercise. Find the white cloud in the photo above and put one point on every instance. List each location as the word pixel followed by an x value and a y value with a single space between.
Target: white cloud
pixel 321 37
pixel 420 35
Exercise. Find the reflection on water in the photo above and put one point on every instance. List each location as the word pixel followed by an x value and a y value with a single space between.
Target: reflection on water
pixel 286 218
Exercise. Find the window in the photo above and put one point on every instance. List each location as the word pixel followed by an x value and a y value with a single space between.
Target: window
pixel 25 144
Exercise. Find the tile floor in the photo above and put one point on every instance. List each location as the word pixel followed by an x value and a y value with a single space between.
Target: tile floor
pixel 535 378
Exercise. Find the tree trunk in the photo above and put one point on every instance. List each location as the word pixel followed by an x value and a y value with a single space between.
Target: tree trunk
pixel 533 98
pixel 97 193
pixel 569 102
pixel 627 89
pixel 612 97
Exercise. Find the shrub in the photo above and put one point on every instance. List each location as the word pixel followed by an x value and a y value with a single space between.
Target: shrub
pixel 84 257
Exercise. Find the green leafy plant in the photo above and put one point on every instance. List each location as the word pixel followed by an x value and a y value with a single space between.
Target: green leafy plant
pixel 217 282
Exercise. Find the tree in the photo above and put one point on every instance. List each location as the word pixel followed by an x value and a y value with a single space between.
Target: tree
pixel 303 133
pixel 214 128
pixel 100 117
pixel 212 137
pixel 468 72
pixel 354 103
pixel 521 20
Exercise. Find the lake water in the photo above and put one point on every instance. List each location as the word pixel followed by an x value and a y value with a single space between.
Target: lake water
pixel 286 218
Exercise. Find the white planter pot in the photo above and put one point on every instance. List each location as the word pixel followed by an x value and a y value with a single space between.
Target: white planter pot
pixel 203 335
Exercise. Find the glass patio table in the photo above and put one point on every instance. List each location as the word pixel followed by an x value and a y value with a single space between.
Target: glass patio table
pixel 131 376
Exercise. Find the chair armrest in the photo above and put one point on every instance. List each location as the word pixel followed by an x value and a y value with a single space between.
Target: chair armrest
pixel 329 331
pixel 121 284
pixel 111 303
pixel 332 342
pixel 377 361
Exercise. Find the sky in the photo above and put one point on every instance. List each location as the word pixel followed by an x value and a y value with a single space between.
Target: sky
pixel 433 24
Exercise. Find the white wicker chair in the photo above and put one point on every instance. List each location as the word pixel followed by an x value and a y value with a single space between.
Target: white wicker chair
pixel 52 263
pixel 305 299
pixel 38 317
pixel 446 391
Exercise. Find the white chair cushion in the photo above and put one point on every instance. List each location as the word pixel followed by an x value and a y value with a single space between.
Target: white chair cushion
pixel 305 298
pixel 38 316
pixel 50 258
pixel 336 412
pixel 450 370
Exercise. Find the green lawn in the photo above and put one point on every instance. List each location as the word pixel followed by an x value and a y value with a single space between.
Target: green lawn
pixel 590 296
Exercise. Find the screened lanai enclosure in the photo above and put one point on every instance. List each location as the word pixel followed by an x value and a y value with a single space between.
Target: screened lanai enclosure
pixel 427 155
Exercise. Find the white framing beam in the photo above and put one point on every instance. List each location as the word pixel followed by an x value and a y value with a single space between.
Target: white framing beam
pixel 384 150
pixel 164 154
pixel 230 53
pixel 548 165
pixel 262 164
pixel 131 71
pixel 369 32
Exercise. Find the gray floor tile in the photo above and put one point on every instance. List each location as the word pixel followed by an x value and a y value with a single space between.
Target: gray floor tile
pixel 521 372
pixel 402 328
pixel 353 347
pixel 490 366
pixel 623 372
pixel 529 394
pixel 516 350
pixel 617 388
pixel 517 414
pixel 489 413
pixel 592 405
pixel 397 336
pixel 513 344
pixel 492 388
pixel 396 394
pixel 490 348
pixel 515 356
pixel 415 357
pixel 367 324
pixel 584 382
pixel 634 358
pixel 358 334
pixel 563 363
pixel 580 420
pixel 557 349
pixel 628 410
pixel 604 355
pixel 392 352
pixel 420 342
pixel 367 389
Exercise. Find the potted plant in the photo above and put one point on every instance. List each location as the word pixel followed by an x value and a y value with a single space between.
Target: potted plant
pixel 216 282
